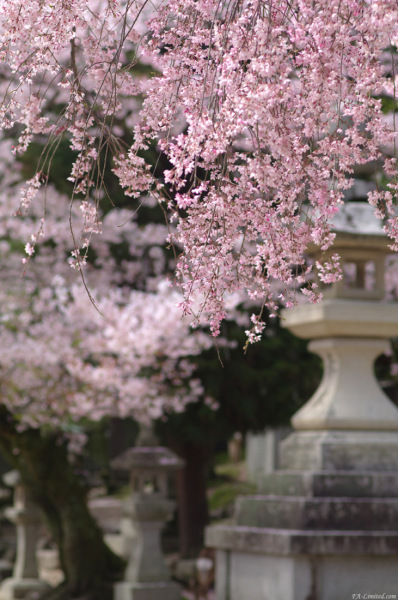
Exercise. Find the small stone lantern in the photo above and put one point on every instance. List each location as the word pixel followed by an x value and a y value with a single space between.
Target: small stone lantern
pixel 147 576
pixel 25 582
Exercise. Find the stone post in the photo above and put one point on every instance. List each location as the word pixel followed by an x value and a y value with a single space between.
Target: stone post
pixel 325 524
pixel 25 582
pixel 147 576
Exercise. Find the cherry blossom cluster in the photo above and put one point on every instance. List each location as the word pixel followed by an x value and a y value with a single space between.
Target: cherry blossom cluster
pixel 66 356
pixel 264 110
pixel 138 355
pixel 62 361
pixel 282 101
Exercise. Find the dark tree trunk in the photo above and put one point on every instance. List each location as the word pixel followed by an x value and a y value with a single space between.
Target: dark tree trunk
pixel 90 567
pixel 193 513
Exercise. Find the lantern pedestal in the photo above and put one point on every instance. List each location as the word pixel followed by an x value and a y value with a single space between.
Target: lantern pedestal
pixel 325 525
pixel 27 588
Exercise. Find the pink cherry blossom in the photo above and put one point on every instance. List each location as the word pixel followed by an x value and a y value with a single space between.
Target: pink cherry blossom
pixel 265 111
pixel 66 355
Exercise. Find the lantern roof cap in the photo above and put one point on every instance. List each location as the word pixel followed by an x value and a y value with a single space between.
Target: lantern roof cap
pixel 12 478
pixel 358 218
pixel 147 458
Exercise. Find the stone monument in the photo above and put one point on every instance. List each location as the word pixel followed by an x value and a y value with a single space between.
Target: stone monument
pixel 325 524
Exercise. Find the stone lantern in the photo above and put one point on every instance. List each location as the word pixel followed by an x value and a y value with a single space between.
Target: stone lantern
pixel 349 329
pixel 24 582
pixel 325 524
pixel 147 576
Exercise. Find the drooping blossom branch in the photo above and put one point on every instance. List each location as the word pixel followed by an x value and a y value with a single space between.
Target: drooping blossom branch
pixel 264 110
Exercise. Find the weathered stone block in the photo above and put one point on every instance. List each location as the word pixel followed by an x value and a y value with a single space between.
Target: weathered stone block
pixel 364 514
pixel 284 542
pixel 330 484
pixel 255 577
pixel 147 591
pixel 340 451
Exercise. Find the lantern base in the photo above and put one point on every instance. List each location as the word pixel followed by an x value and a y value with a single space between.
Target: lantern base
pixel 271 564
pixel 22 588
pixel 164 590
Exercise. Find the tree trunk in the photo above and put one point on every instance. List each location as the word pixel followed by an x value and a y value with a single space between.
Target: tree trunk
pixel 90 567
pixel 191 492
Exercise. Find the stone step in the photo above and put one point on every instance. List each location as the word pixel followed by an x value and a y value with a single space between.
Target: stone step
pixel 339 450
pixel 355 514
pixel 284 542
pixel 355 484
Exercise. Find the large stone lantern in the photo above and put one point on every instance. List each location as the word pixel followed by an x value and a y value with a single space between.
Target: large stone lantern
pixel 325 525
pixel 147 576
